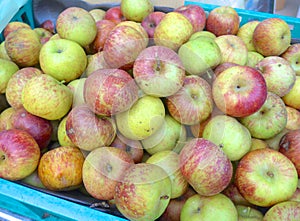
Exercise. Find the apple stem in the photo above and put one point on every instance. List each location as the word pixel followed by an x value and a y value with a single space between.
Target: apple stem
pixel 158 63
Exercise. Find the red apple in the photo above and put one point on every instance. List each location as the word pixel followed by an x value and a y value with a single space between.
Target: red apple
pixel 114 14
pixel 233 193
pixel 48 25
pixel 289 145
pixel 39 128
pixel 223 20
pixel 19 154
pixel 288 210
pixel 195 14
pixel 243 94
pixel 222 67
pixel 43 34
pixel 205 166
pixel 151 21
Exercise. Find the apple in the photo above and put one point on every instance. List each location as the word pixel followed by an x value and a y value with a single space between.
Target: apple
pixel 60 169
pixel 88 131
pixel 144 192
pixel 158 71
pixel 98 14
pixel 136 10
pixel 5 118
pixel 289 146
pixel 233 193
pixel 151 21
pixel 43 34
pixel 143 119
pixel 192 103
pixel 110 91
pixel 76 24
pixel 195 14
pixel 274 141
pixel 278 73
pixel 243 94
pixel 39 128
pixel 199 207
pixel 173 30
pixel 292 55
pixel 48 25
pixel 254 58
pixel 3 53
pixel 229 135
pixel 95 61
pixel 223 66
pixel 246 31
pixel 233 49
pixel 102 170
pixel 137 26
pixel 7 69
pixel 223 20
pixel 296 195
pixel 133 147
pixel 16 84
pixel 169 161
pixel 14 25
pixel 258 144
pixel 288 210
pixel 23 47
pixel 202 34
pixel 205 166
pixel 271 36
pixel 269 120
pixel 19 154
pixel 200 55
pixel 122 46
pixel 77 88
pixel 46 97
pixel 259 176
pixel 292 98
pixel 63 59
pixel 33 180
pixel 247 213
pixel 62 136
pixel 104 27
pixel 293 118
pixel 168 137
pixel 114 14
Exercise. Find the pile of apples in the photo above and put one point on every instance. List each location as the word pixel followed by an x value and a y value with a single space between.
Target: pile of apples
pixel 180 115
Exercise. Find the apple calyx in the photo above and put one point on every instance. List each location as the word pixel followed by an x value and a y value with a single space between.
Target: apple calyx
pixel 2 157
pixel 164 197
pixel 270 174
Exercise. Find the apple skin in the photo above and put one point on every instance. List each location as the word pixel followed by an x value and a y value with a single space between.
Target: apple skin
pixel 114 14
pixel 14 25
pixel 173 31
pixel 202 34
pixel 45 97
pixel 43 34
pixel 16 84
pixel 98 14
pixel 205 166
pixel 39 128
pixel 7 69
pixel 110 91
pixel 136 10
pixel 48 25
pixel 63 59
pixel 87 130
pixel 292 55
pixel 269 120
pixel 23 47
pixel 233 193
pixel 259 176
pixel 77 88
pixel 246 31
pixel 223 20
pixel 133 198
pixel 62 136
pixel 5 118
pixel 243 94
pixel 223 66
pixel 158 71
pixel 258 144
pixel 150 22
pixel 288 210
pixel 247 213
pixel 278 73
pixel 289 146
pixel 195 14
pixel 271 37
pixel 192 103
pixel 233 49
pixel 60 169
pixel 293 118
pixel 102 170
pixel 200 55
pixel 3 53
pixel 253 58
pixel 95 61
pixel 19 153
pixel 76 24
pixel 199 207
pixel 292 98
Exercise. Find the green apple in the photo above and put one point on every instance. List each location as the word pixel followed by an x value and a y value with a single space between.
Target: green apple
pixel 292 98
pixel 208 208
pixel 246 31
pixel 247 213
pixel 168 137
pixel 229 134
pixel 136 10
pixel 200 55
pixel 288 211
pixel 292 55
pixel 3 53
pixel 7 69
pixel 97 13
pixel 33 180
pixel 143 119
pixel 63 59
pixel 202 34
pixel 169 161
pixel 258 144
pixel 5 118
pixel 77 87
pixel 62 136
pixel 46 97
pixel 253 58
